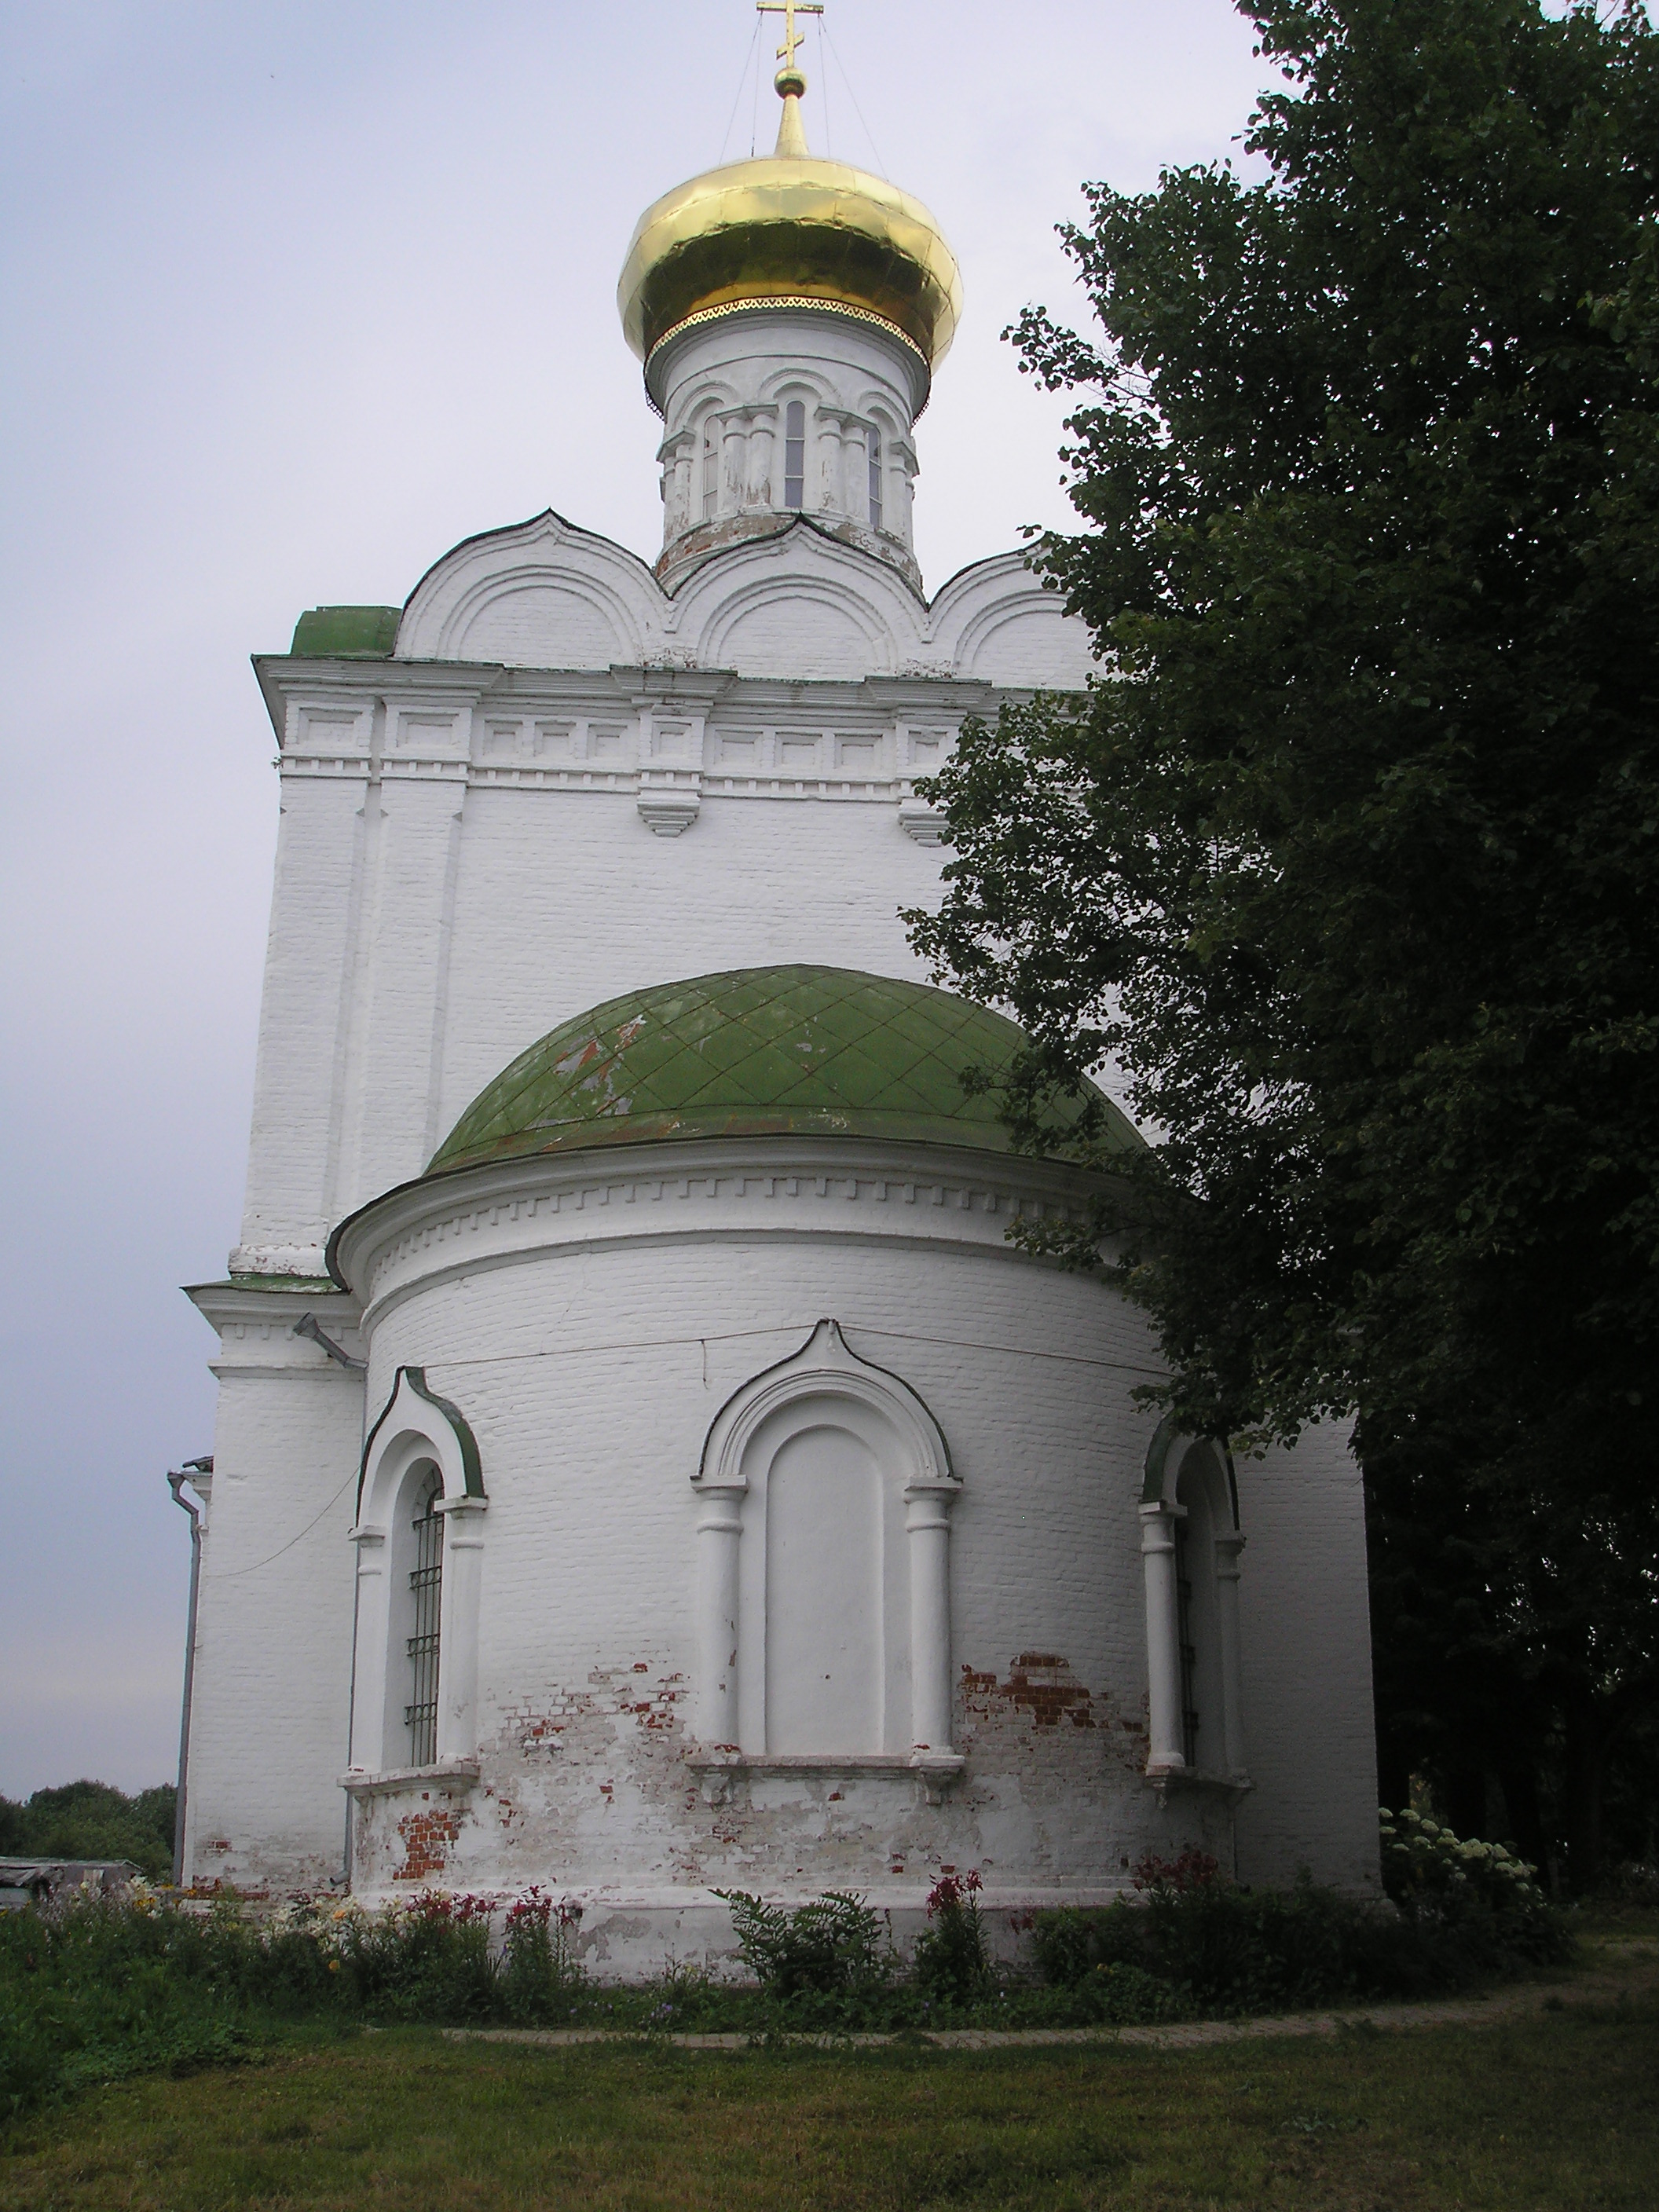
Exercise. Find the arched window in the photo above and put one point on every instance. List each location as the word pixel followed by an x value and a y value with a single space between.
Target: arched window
pixel 875 480
pixel 424 1613
pixel 823 1570
pixel 794 454
pixel 420 1548
pixel 1190 1544
pixel 711 467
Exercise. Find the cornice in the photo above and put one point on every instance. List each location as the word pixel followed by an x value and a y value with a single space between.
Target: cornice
pixel 262 1298
pixel 257 1332
pixel 875 702
pixel 637 732
pixel 507 1211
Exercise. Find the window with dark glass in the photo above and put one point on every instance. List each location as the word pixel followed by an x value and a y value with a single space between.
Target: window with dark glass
pixel 794 454
pixel 711 469
pixel 425 1594
pixel 875 480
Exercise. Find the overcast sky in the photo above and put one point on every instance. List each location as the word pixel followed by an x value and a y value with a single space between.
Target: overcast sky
pixel 298 296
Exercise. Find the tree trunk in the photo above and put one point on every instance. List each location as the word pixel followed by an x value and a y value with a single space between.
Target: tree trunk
pixel 1394 1773
pixel 1466 1800
pixel 1526 1818
pixel 1589 1738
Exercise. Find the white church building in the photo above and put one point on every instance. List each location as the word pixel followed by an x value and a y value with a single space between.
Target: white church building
pixel 644 1466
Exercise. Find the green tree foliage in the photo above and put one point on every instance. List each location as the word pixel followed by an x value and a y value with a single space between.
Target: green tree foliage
pixel 91 1820
pixel 1352 863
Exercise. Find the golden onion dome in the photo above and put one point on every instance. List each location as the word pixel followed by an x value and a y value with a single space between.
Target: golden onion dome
pixel 792 231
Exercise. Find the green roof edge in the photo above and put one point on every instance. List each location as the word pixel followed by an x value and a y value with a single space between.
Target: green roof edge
pixel 346 633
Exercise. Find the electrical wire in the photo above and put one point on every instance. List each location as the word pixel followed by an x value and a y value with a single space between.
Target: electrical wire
pixel 793 1329
pixel 230 1574
pixel 881 166
pixel 754 119
pixel 823 98
pixel 736 100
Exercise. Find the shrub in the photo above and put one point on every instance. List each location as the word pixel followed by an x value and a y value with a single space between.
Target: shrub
pixel 1633 1886
pixel 1073 1941
pixel 683 1997
pixel 540 1976
pixel 1118 1994
pixel 952 1965
pixel 1241 1950
pixel 429 1959
pixel 1427 1870
pixel 829 1948
pixel 97 1988
pixel 1463 1910
pixel 94 1987
pixel 1477 1902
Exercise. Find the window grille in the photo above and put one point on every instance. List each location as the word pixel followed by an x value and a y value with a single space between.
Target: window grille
pixel 426 1589
pixel 794 454
pixel 875 480
pixel 711 469
pixel 1189 1653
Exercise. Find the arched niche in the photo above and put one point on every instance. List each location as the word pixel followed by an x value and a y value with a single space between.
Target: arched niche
pixel 824 1605
pixel 420 1447
pixel 1190 1544
pixel 542 621
pixel 787 625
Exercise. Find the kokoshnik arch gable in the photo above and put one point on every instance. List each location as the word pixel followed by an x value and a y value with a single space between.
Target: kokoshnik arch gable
pixel 679 1482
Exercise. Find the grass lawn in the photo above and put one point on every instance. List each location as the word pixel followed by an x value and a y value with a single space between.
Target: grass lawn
pixel 1558 2112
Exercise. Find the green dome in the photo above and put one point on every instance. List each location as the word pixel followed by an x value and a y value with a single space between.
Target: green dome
pixel 754 1052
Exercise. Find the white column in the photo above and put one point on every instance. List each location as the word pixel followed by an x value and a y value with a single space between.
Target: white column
pixel 1157 1561
pixel 368 1666
pixel 1227 1549
pixel 676 456
pixel 895 492
pixel 758 482
pixel 854 473
pixel 732 442
pixel 720 1528
pixel 927 1528
pixel 458 1637
pixel 827 438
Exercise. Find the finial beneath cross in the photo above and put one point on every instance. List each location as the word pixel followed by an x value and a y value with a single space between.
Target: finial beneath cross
pixel 792 38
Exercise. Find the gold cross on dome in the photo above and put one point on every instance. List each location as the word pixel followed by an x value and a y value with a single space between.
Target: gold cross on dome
pixel 789 9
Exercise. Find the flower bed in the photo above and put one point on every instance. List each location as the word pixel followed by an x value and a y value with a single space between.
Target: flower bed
pixel 93 1988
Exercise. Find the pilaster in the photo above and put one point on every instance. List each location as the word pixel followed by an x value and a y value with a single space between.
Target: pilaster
pixel 1165 1753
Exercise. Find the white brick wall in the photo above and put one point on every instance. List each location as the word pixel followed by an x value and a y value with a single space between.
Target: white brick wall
pixel 466 859
pixel 590 1351
pixel 268 1734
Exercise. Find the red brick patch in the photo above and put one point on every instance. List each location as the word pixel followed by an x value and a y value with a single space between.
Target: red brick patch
pixel 1040 1681
pixel 427 1837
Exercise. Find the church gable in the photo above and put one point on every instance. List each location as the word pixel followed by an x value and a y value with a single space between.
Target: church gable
pixel 794 602
pixel 799 605
pixel 994 623
pixel 541 595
